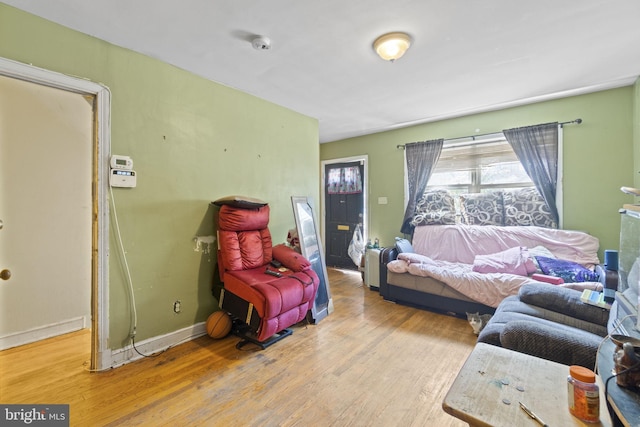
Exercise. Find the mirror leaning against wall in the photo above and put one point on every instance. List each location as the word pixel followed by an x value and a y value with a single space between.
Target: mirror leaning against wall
pixel 311 249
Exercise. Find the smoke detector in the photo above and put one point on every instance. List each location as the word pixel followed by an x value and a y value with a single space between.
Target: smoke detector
pixel 261 43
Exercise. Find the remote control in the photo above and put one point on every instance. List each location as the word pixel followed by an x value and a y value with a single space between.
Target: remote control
pixel 276 263
pixel 273 273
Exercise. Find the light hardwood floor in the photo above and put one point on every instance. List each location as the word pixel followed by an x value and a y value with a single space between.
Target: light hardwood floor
pixel 369 363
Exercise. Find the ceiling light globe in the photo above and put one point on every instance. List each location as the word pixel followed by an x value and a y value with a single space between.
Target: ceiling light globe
pixel 392 46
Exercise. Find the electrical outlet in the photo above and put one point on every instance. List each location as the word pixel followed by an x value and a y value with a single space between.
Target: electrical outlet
pixel 176 306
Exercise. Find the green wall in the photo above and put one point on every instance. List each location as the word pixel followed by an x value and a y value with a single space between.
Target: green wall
pixel 598 158
pixel 191 141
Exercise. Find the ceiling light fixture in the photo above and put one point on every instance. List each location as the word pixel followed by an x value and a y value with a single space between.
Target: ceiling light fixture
pixel 392 46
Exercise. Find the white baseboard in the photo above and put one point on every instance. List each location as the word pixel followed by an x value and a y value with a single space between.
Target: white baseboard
pixel 153 345
pixel 42 332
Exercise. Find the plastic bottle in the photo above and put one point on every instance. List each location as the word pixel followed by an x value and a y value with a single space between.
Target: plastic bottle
pixel 369 245
pixel 376 243
pixel 583 393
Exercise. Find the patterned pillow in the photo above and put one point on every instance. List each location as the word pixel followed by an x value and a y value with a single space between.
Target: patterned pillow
pixel 435 207
pixel 482 208
pixel 527 207
pixel 570 271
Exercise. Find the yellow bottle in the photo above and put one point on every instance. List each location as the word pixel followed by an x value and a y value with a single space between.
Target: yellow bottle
pixel 584 395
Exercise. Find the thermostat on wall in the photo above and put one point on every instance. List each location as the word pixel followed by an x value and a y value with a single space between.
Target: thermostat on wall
pixel 121 162
pixel 122 173
pixel 122 178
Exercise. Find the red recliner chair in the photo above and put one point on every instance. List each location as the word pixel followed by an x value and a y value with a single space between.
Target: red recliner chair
pixel 266 289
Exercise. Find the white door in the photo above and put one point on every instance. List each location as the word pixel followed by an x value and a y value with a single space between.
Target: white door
pixel 45 209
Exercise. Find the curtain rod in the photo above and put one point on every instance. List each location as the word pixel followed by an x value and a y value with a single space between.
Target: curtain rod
pixel 576 121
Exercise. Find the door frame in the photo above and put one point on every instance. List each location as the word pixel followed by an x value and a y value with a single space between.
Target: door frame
pixel 364 158
pixel 100 353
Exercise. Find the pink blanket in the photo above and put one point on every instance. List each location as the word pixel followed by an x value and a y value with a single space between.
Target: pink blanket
pixel 447 253
pixel 487 288
pixel 461 243
pixel 513 261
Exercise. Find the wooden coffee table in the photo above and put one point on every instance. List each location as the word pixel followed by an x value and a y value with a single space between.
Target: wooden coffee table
pixel 493 380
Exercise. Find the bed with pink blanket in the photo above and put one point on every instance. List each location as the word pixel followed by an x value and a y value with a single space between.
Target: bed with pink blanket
pixel 468 268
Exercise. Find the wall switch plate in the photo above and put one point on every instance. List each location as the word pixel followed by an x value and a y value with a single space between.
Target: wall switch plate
pixel 382 200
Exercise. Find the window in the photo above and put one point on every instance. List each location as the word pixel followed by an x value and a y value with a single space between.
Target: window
pixel 478 166
pixel 482 172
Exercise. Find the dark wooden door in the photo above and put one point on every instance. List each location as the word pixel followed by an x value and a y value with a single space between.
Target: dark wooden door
pixel 344 210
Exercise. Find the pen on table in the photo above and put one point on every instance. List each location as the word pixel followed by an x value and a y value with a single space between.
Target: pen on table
pixel 532 415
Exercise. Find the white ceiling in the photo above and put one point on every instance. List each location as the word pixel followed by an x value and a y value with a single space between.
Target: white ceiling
pixel 467 55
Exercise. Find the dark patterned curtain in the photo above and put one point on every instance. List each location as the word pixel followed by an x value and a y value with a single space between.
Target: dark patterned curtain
pixel 537 149
pixel 421 158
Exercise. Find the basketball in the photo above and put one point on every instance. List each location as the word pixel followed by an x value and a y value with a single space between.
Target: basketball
pixel 218 324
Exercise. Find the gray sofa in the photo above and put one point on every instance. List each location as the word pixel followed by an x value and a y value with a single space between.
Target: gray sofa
pixel 549 322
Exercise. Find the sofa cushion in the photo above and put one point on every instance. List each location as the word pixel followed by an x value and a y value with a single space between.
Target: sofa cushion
pixel 435 207
pixel 526 206
pixel 512 309
pixel 558 343
pixel 482 208
pixel 490 334
pixel 564 301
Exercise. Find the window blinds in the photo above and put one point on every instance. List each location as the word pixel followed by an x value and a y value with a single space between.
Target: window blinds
pixel 470 154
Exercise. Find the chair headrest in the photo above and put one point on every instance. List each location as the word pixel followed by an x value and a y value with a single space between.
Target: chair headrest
pixel 242 219
pixel 240 202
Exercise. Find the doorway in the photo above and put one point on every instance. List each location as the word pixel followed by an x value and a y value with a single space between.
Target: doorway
pixel 96 180
pixel 45 209
pixel 344 200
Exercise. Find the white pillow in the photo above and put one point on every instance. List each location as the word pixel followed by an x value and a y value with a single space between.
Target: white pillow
pixel 540 251
pixel 413 258
pixel 398 266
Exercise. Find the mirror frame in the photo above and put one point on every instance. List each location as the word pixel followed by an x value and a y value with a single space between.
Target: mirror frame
pixel 311 249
